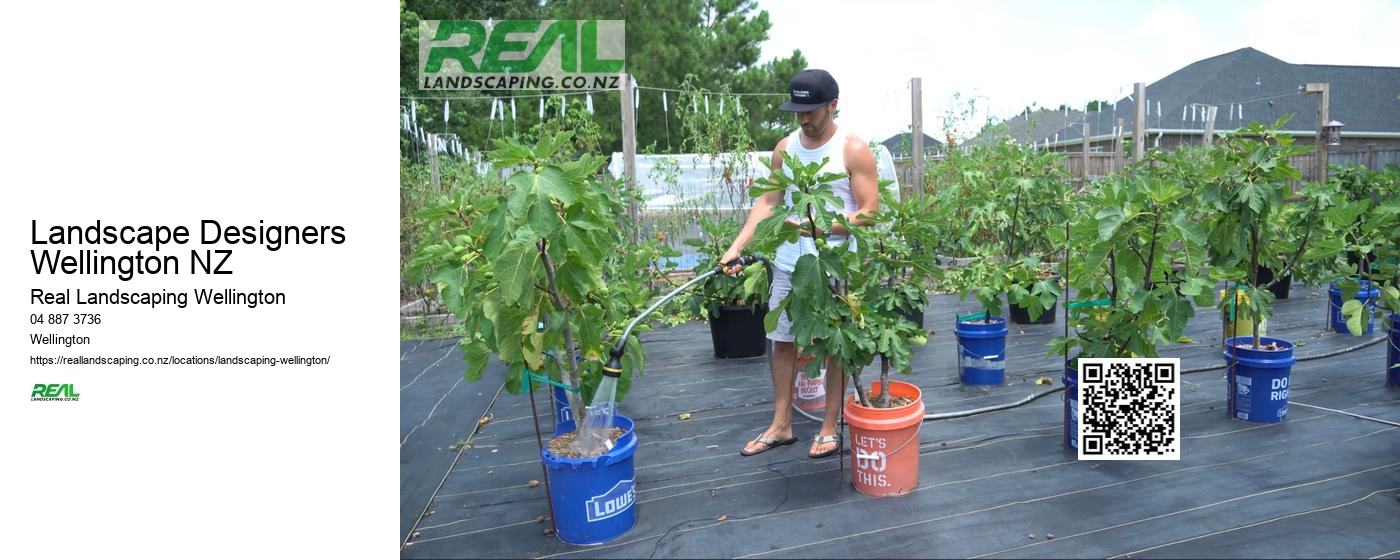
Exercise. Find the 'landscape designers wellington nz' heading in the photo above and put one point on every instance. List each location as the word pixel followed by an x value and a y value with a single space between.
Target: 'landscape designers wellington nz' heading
pixel 74 259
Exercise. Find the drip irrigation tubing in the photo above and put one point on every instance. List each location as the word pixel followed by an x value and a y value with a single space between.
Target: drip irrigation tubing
pixel 1032 397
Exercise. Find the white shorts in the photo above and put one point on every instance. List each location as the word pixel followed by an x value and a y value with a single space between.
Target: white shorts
pixel 782 284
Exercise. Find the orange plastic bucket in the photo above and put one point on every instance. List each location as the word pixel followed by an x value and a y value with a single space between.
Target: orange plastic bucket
pixel 809 393
pixel 885 442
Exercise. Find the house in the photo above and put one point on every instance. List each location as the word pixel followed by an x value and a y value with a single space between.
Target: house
pixel 900 145
pixel 1226 92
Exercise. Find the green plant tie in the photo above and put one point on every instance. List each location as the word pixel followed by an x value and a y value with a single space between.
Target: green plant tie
pixel 532 376
pixel 1105 302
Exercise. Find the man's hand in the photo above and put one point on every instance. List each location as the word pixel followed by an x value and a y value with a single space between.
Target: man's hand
pixel 731 256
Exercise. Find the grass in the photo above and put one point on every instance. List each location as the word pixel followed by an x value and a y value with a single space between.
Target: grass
pixel 423 330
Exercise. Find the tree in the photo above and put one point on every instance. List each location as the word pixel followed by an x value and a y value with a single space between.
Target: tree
pixel 718 41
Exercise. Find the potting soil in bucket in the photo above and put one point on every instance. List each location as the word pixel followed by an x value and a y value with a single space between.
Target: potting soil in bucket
pixel 1392 355
pixel 1258 379
pixel 1367 295
pixel 981 350
pixel 594 499
pixel 885 442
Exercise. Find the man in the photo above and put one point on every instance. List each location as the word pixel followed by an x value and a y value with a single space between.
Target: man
pixel 813 96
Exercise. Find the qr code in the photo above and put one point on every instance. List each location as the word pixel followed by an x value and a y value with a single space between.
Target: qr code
pixel 1129 408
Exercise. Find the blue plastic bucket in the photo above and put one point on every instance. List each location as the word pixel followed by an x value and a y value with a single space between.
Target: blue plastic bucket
pixel 1367 296
pixel 981 351
pixel 562 412
pixel 594 499
pixel 1392 355
pixel 1258 379
pixel 1071 381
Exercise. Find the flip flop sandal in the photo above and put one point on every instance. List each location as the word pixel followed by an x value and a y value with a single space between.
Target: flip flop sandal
pixel 767 443
pixel 822 440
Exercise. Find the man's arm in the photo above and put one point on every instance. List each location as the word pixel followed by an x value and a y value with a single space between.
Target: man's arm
pixel 762 209
pixel 865 183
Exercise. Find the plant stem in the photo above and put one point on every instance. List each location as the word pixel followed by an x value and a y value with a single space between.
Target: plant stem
pixel 570 373
pixel 884 381
pixel 1254 266
pixel 861 395
pixel 1152 249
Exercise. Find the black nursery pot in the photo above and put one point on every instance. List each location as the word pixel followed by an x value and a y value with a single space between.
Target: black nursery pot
pixel 1020 316
pixel 1262 276
pixel 737 332
pixel 913 315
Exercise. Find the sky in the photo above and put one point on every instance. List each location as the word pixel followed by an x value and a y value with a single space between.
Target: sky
pixel 980 59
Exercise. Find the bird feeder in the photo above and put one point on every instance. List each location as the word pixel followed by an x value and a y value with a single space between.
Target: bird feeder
pixel 1332 133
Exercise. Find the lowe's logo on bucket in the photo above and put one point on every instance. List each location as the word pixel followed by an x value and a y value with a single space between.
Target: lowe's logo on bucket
pixel 614 501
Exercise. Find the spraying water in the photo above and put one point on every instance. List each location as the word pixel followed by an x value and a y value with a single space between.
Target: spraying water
pixel 594 436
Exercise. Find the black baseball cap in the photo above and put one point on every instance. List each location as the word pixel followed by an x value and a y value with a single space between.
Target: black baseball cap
pixel 810 89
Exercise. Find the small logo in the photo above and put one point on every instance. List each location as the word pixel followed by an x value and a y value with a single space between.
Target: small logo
pixel 562 54
pixel 54 392
pixel 614 501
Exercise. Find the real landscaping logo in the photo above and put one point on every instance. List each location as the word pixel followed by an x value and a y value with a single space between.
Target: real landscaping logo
pixel 54 392
pixel 563 54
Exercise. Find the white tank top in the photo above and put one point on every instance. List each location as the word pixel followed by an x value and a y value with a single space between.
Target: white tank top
pixel 835 149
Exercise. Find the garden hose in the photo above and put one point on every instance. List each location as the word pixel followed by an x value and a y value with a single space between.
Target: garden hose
pixel 1032 397
pixel 614 366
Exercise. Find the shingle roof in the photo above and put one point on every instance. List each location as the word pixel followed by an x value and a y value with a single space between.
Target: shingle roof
pixel 1247 86
pixel 901 144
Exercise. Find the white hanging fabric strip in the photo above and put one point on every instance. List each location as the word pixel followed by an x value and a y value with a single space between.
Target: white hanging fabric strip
pixel 512 109
pixel 694 100
pixel 492 116
pixel 1183 113
pixel 446 111
pixel 721 104
pixel 588 101
pixel 636 94
pixel 541 108
pixel 413 111
pixel 707 104
pixel 663 101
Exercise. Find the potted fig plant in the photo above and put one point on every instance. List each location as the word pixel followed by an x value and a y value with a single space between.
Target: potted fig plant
pixel 735 305
pixel 1003 202
pixel 846 315
pixel 1136 252
pixel 1247 182
pixel 543 276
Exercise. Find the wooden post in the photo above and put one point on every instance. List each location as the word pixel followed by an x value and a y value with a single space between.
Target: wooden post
pixel 629 148
pixel 1210 125
pixel 1118 145
pixel 1139 120
pixel 434 176
pixel 1086 143
pixel 916 150
pixel 1320 173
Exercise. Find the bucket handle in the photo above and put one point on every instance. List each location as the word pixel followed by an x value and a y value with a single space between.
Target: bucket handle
pixel 969 354
pixel 912 437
